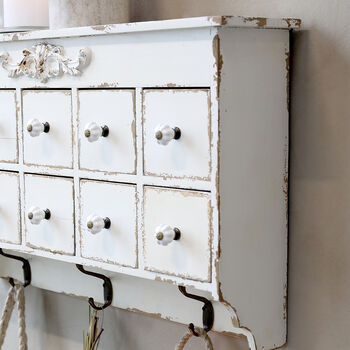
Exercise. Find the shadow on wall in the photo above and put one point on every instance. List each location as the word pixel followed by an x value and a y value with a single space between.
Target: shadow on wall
pixel 319 225
pixel 320 81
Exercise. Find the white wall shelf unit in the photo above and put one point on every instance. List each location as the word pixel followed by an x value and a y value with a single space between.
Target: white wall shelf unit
pixel 169 129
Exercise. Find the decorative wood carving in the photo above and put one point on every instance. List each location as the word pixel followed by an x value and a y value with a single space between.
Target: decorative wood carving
pixel 43 61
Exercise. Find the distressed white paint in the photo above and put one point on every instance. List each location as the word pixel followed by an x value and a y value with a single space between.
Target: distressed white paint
pixel 8 127
pixel 55 147
pixel 44 61
pixel 115 153
pixel 10 223
pixel 116 245
pixel 188 110
pixel 230 197
pixel 129 60
pixel 150 26
pixel 188 211
pixel 134 294
pixel 56 194
pixel 253 179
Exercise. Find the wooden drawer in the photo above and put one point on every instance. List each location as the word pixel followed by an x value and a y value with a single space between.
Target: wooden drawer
pixel 108 222
pixel 8 127
pixel 111 149
pixel 49 213
pixel 10 226
pixel 189 155
pixel 190 213
pixel 54 147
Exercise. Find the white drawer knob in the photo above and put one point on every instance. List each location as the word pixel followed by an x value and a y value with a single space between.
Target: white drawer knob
pixel 96 224
pixel 35 127
pixel 164 134
pixel 36 215
pixel 93 131
pixel 165 234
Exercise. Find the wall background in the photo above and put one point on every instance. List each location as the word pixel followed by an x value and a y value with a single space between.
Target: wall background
pixel 319 270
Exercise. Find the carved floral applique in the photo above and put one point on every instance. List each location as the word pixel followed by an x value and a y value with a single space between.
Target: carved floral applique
pixel 43 61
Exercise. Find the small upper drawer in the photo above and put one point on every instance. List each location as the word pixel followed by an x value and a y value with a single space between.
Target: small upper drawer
pixel 108 222
pixel 176 131
pixel 107 131
pixel 49 213
pixel 8 127
pixel 47 128
pixel 10 227
pixel 177 232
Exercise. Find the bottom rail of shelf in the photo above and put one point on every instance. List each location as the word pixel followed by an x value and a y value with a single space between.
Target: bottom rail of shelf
pixel 153 298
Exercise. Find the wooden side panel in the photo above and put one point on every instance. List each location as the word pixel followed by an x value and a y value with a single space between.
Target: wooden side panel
pixel 253 179
pixel 10 226
pixel 8 127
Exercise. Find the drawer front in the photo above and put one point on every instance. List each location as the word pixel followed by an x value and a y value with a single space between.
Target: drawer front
pixel 189 212
pixel 54 147
pixel 111 149
pixel 164 153
pixel 10 226
pixel 54 230
pixel 8 127
pixel 108 222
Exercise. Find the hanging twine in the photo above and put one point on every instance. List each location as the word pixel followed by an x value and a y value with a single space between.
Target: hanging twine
pixel 15 294
pixel 187 336
pixel 6 315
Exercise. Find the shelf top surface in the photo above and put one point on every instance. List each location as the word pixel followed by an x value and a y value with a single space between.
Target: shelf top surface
pixel 172 24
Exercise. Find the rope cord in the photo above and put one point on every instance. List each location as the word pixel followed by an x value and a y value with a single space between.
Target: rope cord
pixel 187 336
pixel 15 295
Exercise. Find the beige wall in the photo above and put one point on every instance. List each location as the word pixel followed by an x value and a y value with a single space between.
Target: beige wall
pixel 319 279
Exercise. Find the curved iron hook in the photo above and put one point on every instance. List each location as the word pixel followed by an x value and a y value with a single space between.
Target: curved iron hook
pixel 107 288
pixel 27 273
pixel 208 311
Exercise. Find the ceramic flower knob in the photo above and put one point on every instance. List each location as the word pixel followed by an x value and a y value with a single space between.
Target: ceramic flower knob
pixel 36 215
pixel 165 234
pixel 35 127
pixel 96 224
pixel 164 134
pixel 93 131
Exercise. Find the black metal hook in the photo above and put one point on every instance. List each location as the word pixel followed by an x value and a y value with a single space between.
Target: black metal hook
pixel 26 268
pixel 107 288
pixel 208 311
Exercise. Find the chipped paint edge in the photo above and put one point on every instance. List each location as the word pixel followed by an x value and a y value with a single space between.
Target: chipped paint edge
pixel 182 23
